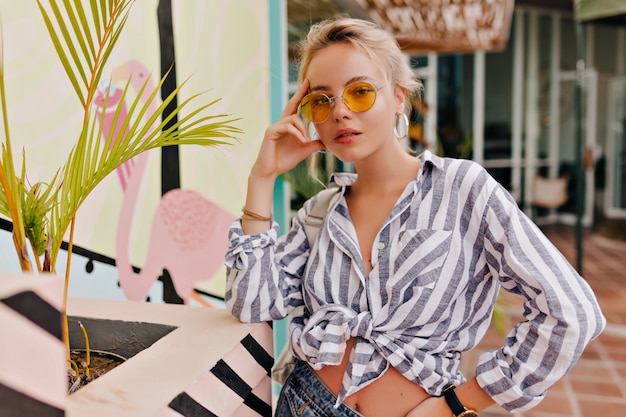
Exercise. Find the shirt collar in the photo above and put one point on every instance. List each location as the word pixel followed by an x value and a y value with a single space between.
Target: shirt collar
pixel 428 158
pixel 340 179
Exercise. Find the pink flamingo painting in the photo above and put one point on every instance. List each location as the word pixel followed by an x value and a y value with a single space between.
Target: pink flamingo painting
pixel 188 235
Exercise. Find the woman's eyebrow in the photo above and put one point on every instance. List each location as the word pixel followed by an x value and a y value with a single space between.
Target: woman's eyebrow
pixel 347 83
pixel 357 79
pixel 318 88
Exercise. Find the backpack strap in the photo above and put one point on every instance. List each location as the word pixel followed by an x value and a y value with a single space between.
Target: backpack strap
pixel 284 364
pixel 315 218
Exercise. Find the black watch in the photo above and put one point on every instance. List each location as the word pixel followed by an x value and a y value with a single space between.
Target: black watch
pixel 458 409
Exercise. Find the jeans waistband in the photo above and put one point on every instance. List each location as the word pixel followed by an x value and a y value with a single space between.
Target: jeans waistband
pixel 304 377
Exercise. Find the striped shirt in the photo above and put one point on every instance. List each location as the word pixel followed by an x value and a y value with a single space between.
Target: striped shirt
pixel 453 239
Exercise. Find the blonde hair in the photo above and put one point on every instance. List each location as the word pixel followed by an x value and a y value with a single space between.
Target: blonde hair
pixel 377 43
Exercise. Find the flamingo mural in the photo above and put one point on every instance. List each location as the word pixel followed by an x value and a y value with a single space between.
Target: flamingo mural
pixel 188 236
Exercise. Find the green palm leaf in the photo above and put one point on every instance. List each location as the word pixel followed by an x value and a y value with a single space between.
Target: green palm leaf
pixel 10 187
pixel 96 37
pixel 90 161
pixel 84 35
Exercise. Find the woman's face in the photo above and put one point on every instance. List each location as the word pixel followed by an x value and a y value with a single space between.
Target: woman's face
pixel 353 136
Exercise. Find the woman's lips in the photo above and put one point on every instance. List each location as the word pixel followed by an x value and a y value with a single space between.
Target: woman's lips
pixel 346 136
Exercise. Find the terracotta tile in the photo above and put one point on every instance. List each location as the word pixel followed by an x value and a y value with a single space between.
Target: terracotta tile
pixel 586 369
pixel 590 354
pixel 494 411
pixel 599 377
pixel 614 317
pixel 585 388
pixel 608 341
pixel 602 408
pixel 539 413
pixel 559 388
pixel 618 355
pixel 621 372
pixel 556 403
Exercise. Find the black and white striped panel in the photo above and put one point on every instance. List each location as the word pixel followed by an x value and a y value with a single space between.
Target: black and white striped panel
pixel 33 372
pixel 238 385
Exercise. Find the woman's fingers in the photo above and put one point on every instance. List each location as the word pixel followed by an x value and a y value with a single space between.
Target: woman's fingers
pixel 287 141
pixel 294 101
pixel 286 127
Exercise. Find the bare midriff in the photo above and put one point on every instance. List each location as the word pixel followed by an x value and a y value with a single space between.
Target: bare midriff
pixel 391 395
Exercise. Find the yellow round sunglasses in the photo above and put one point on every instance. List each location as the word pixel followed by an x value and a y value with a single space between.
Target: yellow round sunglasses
pixel 359 97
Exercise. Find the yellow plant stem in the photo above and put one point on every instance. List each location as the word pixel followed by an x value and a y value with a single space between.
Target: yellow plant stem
pixel 65 331
pixel 22 251
pixel 92 88
pixel 19 238
pixel 10 186
pixel 74 367
pixel 87 353
pixel 37 260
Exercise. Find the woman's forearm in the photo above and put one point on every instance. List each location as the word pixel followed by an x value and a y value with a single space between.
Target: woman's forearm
pixel 258 205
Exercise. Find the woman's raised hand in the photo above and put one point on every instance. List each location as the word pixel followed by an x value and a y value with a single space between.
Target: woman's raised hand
pixel 286 142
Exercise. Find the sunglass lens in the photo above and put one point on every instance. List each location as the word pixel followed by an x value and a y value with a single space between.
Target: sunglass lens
pixel 315 107
pixel 359 96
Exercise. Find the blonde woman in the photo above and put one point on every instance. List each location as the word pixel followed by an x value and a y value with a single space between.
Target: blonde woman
pixel 408 263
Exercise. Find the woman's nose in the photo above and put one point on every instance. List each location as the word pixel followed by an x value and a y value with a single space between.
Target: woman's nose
pixel 339 108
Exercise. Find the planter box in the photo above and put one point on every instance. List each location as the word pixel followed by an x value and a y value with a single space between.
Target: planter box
pixel 183 360
pixel 205 363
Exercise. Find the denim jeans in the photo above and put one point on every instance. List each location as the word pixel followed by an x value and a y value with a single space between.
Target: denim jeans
pixel 305 395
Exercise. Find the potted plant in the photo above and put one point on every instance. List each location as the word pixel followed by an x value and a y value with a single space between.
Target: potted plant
pixel 84 35
pixel 43 214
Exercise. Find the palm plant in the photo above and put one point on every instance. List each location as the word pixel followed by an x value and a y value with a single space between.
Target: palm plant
pixel 84 34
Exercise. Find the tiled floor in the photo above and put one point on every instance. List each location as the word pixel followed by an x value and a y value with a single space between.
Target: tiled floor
pixel 596 386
